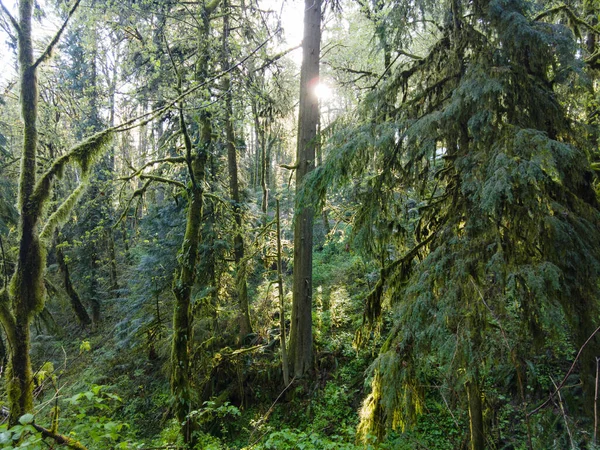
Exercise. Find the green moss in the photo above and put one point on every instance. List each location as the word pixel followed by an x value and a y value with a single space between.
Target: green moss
pixel 61 215
pixel 84 155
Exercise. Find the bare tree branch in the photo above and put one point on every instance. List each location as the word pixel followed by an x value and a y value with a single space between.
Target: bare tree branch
pixel 13 21
pixel 162 180
pixel 48 52
pixel 172 160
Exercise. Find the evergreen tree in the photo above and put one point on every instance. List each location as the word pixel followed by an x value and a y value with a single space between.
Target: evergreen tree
pixel 477 198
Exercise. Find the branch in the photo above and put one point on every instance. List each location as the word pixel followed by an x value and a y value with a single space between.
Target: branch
pixel 569 12
pixel 146 118
pixel 7 318
pixel 289 167
pixel 162 180
pixel 11 18
pixel 173 160
pixel 278 56
pixel 60 439
pixel 367 73
pixel 137 193
pixel 564 380
pixel 48 52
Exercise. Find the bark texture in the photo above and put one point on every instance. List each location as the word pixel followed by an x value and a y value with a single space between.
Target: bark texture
pixel 234 189
pixel 301 333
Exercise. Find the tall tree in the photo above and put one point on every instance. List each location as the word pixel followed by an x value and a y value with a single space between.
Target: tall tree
pixel 234 189
pixel 25 297
pixel 477 198
pixel 301 339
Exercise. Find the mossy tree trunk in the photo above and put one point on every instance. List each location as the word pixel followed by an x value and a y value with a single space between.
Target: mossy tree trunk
pixel 26 287
pixel 234 189
pixel 301 333
pixel 75 300
pixel 185 276
pixel 25 295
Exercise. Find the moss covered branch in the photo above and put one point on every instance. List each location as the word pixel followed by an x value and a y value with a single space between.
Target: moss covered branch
pixel 83 154
pixel 163 180
pixel 48 51
pixel 60 439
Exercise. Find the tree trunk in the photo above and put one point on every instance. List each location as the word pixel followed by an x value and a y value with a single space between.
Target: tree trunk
pixel 27 284
pixel 78 308
pixel 301 332
pixel 284 355
pixel 182 289
pixel 185 276
pixel 238 240
pixel 319 152
pixel 475 414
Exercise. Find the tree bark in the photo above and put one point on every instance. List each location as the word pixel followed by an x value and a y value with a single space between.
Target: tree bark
pixel 475 414
pixel 78 308
pixel 27 283
pixel 284 354
pixel 301 332
pixel 234 190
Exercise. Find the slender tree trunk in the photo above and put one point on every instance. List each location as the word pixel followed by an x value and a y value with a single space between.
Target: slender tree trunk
pixel 196 158
pixel 182 289
pixel 284 354
pixel 319 151
pixel 301 332
pixel 78 308
pixel 475 414
pixel 234 190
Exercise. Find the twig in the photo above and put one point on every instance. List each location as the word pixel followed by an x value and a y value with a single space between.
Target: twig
pixel 564 414
pixel 269 411
pixel 564 380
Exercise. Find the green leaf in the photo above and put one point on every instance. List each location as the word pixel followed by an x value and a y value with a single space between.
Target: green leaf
pixel 26 419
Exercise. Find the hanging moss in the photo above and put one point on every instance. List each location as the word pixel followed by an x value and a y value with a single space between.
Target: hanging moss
pixel 61 215
pixel 83 154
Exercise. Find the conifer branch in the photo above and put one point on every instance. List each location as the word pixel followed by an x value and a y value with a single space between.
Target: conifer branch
pixel 48 51
pixel 13 21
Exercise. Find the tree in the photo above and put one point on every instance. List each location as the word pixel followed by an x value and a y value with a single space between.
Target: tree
pixel 234 189
pixel 477 199
pixel 25 296
pixel 301 331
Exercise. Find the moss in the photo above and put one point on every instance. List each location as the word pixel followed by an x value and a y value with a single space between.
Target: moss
pixel 27 288
pixel 83 154
pixel 61 215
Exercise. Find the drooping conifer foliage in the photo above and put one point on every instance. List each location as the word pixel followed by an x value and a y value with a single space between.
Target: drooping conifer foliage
pixel 476 195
